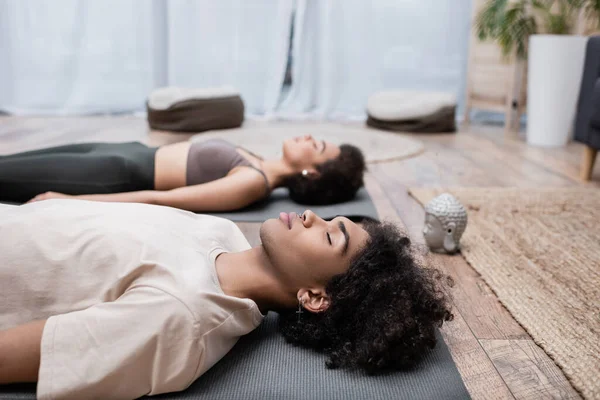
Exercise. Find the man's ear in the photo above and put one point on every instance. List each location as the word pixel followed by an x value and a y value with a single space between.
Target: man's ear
pixel 314 300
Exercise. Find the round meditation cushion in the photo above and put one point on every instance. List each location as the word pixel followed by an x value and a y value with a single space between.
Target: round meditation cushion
pixel 194 110
pixel 412 111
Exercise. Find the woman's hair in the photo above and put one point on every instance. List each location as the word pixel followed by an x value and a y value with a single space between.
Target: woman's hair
pixel 384 310
pixel 338 180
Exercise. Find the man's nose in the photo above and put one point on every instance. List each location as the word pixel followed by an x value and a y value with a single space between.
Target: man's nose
pixel 310 218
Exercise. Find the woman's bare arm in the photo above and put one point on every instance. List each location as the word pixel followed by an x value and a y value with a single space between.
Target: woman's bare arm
pixel 232 192
pixel 142 196
pixel 20 352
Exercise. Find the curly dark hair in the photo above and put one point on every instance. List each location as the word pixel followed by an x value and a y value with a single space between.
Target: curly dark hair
pixel 339 179
pixel 384 310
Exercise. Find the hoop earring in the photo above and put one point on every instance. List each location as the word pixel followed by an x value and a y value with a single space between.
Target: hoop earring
pixel 300 311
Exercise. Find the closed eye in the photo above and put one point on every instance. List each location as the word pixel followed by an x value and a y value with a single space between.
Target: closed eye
pixel 329 238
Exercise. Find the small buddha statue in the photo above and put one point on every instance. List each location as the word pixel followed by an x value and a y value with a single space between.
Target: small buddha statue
pixel 445 222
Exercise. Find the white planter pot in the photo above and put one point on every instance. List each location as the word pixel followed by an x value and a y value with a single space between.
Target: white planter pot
pixel 555 67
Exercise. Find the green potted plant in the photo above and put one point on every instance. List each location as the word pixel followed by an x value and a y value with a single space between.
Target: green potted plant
pixel 542 32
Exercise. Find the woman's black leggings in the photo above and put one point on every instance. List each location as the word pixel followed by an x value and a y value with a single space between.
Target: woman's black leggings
pixel 86 168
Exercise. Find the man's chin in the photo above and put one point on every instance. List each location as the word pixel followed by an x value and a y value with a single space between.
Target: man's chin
pixel 268 233
pixel 269 229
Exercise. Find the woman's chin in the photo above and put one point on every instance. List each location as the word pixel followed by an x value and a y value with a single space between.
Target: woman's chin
pixel 287 151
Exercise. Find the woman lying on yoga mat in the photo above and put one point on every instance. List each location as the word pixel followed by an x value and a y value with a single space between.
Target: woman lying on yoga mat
pixel 197 176
pixel 116 300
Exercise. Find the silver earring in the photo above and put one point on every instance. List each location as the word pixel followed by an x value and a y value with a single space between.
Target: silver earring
pixel 300 311
pixel 304 172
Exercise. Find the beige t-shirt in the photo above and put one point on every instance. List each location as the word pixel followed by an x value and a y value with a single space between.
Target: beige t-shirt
pixel 130 291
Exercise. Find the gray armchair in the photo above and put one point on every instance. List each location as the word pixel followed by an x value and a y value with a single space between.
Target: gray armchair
pixel 587 120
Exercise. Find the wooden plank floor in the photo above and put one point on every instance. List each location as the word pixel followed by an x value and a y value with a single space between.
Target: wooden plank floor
pixel 495 356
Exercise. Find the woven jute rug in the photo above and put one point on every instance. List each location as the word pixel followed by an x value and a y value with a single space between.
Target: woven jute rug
pixel 266 138
pixel 539 250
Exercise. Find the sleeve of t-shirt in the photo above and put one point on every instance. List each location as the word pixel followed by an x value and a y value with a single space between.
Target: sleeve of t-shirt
pixel 144 343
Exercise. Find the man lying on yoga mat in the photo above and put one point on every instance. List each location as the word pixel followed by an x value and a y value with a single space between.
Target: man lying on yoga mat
pixel 117 300
pixel 205 176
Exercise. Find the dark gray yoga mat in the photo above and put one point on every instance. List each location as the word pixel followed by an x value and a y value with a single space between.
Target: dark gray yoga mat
pixel 262 366
pixel 361 206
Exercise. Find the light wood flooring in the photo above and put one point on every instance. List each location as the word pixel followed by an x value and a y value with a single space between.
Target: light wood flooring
pixel 495 356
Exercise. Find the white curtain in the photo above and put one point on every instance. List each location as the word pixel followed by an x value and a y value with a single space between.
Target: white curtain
pixel 231 42
pixel 104 56
pixel 344 50
pixel 77 57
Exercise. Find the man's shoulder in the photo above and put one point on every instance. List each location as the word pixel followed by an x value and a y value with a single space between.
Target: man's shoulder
pixel 225 233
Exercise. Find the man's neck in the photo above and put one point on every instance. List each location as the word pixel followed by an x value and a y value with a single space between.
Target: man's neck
pixel 250 274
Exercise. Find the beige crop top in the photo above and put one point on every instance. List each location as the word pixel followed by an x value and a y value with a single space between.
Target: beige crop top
pixel 213 159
